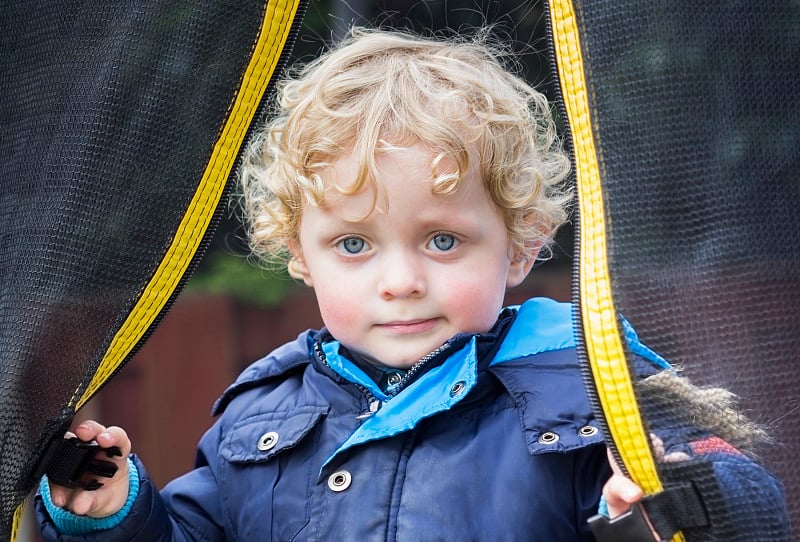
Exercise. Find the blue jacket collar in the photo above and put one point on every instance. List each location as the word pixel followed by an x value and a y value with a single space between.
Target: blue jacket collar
pixel 551 321
pixel 541 325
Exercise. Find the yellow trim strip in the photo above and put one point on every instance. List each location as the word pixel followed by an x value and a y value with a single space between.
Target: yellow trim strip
pixel 600 326
pixel 601 333
pixel 16 522
pixel 267 50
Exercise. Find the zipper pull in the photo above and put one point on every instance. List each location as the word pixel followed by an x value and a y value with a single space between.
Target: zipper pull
pixel 374 405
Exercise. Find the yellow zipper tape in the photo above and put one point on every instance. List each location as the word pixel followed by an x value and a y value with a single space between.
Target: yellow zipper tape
pixel 278 19
pixel 599 318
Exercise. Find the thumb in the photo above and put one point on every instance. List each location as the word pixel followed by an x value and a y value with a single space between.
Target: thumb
pixel 620 492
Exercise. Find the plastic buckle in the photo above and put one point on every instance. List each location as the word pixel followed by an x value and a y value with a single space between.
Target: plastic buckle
pixel 72 459
pixel 631 526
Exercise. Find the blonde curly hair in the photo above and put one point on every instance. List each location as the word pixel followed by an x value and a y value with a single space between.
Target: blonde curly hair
pixel 452 95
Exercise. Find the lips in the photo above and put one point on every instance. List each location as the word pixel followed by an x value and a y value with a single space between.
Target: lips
pixel 408 327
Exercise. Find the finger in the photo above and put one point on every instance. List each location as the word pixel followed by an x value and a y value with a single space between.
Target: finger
pixel 620 492
pixel 82 502
pixel 88 430
pixel 115 436
pixel 676 457
pixel 661 455
pixel 658 447
pixel 106 437
pixel 60 495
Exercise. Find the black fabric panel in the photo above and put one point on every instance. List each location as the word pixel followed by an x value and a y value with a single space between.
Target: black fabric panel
pixel 698 122
pixel 108 117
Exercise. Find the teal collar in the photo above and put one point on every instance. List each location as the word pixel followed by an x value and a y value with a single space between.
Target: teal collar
pixel 541 325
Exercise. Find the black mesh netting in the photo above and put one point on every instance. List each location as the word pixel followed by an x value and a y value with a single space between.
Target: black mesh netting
pixel 109 115
pixel 697 114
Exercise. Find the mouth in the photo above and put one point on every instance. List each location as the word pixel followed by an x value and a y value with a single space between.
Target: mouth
pixel 408 327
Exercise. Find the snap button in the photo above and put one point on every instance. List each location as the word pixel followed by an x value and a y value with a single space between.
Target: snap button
pixel 457 388
pixel 267 441
pixel 339 480
pixel 548 437
pixel 394 378
pixel 587 431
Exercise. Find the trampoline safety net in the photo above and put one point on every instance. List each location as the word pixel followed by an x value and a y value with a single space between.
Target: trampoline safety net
pixel 692 129
pixel 120 124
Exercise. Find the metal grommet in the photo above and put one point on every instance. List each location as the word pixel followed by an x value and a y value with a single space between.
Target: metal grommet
pixel 339 480
pixel 587 431
pixel 548 437
pixel 457 388
pixel 267 441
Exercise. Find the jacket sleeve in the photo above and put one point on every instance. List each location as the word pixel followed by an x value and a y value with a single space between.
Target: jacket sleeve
pixel 700 437
pixel 742 501
pixel 754 499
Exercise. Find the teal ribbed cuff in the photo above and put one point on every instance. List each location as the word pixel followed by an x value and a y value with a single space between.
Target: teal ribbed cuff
pixel 602 507
pixel 74 525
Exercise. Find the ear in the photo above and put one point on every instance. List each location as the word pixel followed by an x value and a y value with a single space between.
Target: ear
pixel 297 264
pixel 521 264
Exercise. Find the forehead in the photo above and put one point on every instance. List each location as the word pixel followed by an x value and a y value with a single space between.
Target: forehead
pixel 377 176
pixel 405 188
pixel 365 186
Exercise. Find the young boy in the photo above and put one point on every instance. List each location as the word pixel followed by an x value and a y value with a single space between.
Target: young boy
pixel 409 182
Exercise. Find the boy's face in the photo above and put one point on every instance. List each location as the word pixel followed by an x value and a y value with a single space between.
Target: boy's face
pixel 417 270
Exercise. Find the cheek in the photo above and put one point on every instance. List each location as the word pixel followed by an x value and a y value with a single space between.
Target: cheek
pixel 475 304
pixel 338 308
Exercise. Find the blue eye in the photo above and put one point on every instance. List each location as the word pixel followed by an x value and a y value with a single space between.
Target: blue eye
pixel 352 245
pixel 442 242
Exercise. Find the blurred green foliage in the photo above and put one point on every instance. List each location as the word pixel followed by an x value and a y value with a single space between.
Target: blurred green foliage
pixel 224 273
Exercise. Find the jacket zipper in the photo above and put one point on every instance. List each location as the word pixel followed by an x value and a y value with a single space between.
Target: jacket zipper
pixel 374 403
pixel 414 369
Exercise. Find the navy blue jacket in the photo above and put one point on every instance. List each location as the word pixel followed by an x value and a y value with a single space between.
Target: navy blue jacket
pixel 495 442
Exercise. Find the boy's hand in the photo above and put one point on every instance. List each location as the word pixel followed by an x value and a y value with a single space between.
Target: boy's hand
pixel 110 498
pixel 620 492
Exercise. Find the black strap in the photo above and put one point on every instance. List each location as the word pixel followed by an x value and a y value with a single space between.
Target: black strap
pixel 69 461
pixel 681 506
pixel 678 507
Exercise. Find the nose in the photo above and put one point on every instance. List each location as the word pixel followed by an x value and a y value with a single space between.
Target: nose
pixel 402 276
